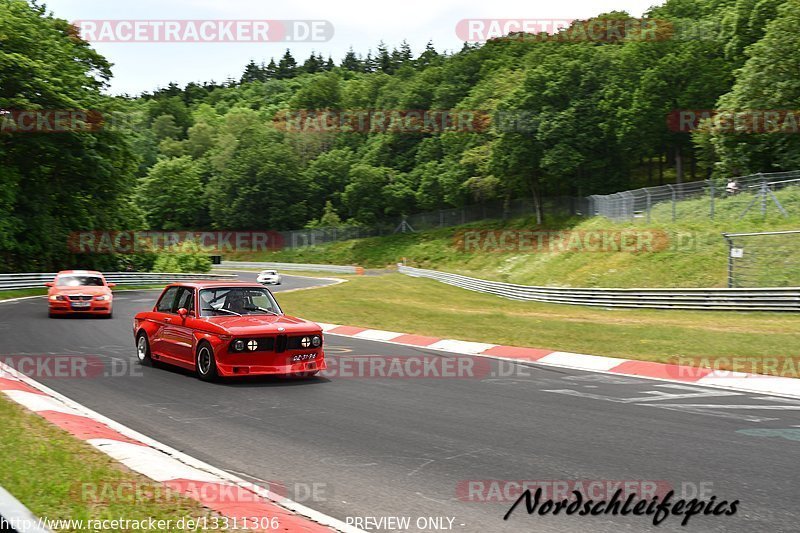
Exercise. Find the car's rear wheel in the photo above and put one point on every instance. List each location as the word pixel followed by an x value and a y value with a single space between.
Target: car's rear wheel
pixel 206 363
pixel 143 349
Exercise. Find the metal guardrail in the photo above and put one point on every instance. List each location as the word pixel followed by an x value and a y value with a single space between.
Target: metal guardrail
pixel 767 299
pixel 14 516
pixel 37 280
pixel 341 269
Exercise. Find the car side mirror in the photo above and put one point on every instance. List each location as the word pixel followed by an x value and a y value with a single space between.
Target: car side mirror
pixel 49 284
pixel 183 312
pixel 112 285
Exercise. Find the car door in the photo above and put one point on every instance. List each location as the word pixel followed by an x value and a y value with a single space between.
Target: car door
pixel 160 314
pixel 178 331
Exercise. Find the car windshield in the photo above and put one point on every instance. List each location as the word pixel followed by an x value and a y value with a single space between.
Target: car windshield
pixel 237 301
pixel 80 281
pixel 268 273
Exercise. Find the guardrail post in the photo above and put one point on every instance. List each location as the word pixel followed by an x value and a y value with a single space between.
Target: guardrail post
pixel 674 200
pixel 649 203
pixel 711 189
pixel 730 259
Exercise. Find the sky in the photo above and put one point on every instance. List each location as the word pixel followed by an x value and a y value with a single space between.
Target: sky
pixel 360 24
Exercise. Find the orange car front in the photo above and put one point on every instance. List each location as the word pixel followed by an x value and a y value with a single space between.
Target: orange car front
pixel 71 294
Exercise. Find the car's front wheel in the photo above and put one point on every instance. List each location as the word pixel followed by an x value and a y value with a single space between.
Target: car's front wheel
pixel 143 349
pixel 206 363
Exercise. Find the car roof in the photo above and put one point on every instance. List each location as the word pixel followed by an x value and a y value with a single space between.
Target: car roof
pixel 215 284
pixel 79 273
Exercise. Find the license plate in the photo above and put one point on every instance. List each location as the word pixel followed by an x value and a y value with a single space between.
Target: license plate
pixel 81 304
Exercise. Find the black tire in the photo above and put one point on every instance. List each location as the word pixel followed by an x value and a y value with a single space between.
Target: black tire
pixel 205 364
pixel 143 349
pixel 110 315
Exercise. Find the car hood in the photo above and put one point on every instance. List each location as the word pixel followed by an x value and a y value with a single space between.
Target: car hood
pixel 264 324
pixel 90 291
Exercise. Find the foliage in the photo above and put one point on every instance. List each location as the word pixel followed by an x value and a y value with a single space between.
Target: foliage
pixel 295 141
pixel 188 258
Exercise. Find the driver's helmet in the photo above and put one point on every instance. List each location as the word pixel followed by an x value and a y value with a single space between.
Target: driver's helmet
pixel 236 302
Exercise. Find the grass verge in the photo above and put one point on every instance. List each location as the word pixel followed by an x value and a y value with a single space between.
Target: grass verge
pixel 50 471
pixel 399 303
pixel 695 253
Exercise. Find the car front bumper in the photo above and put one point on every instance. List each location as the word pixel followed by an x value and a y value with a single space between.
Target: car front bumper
pixel 303 367
pixel 66 307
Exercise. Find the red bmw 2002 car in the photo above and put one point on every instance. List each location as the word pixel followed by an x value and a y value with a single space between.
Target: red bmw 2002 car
pixel 224 329
pixel 83 292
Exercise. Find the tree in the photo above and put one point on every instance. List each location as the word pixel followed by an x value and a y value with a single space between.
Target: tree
pixel 54 184
pixel 322 92
pixel 253 72
pixel 765 83
pixel 257 182
pixel 172 195
pixel 287 67
pixel 429 57
pixel 383 60
pixel 313 64
pixel 351 62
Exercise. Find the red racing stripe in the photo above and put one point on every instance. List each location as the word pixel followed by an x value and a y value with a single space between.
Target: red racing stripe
pixel 13 384
pixel 416 340
pixel 346 330
pixel 236 502
pixel 85 428
pixel 661 370
pixel 513 352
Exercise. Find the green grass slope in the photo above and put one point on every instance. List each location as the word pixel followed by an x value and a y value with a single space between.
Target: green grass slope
pixel 691 251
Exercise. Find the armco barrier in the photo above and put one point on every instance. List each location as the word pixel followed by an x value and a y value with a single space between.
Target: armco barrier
pixel 774 299
pixel 341 269
pixel 37 280
pixel 14 516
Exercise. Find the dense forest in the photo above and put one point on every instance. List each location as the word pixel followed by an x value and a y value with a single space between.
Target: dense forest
pixel 222 156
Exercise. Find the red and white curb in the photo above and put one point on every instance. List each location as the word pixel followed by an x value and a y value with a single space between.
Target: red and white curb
pixel 740 381
pixel 178 471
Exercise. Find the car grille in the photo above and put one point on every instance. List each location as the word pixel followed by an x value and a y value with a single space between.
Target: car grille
pixel 280 343
pixel 277 344
pixel 80 298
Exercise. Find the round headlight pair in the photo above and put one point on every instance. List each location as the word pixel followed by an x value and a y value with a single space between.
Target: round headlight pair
pixel 240 345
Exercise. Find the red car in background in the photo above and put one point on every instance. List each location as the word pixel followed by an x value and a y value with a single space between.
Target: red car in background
pixel 224 329
pixel 84 292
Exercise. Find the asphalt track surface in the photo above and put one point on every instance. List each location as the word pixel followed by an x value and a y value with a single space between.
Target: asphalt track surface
pixel 367 446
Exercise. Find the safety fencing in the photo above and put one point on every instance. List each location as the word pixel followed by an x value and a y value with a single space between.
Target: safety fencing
pixel 37 280
pixel 742 195
pixel 341 269
pixel 760 299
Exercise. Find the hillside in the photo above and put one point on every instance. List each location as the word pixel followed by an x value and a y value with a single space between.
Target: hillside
pixel 694 254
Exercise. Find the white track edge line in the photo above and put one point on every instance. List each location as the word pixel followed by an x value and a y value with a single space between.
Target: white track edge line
pixel 291 505
pixel 554 365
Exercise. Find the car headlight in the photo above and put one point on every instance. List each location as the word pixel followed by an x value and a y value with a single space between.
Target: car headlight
pixel 238 345
pixel 102 298
pixel 57 298
pixel 316 341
